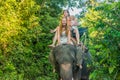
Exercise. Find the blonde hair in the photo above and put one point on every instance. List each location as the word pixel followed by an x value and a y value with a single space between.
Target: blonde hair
pixel 61 26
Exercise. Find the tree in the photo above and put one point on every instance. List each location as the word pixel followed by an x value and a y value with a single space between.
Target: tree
pixel 102 21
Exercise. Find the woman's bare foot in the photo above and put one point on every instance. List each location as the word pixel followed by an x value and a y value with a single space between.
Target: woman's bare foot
pixel 52 31
pixel 53 70
pixel 51 46
pixel 80 66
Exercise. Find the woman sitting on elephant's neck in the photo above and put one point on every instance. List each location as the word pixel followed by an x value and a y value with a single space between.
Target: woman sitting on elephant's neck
pixel 62 37
pixel 65 15
pixel 63 32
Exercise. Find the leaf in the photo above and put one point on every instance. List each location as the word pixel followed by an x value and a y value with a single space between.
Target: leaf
pixel 111 69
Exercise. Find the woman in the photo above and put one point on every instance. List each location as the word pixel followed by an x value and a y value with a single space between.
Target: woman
pixel 63 37
pixel 65 15
pixel 74 30
pixel 63 32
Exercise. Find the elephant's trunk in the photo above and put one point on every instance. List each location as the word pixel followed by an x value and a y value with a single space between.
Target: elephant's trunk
pixel 66 71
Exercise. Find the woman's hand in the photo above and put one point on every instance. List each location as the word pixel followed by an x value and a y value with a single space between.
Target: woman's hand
pixel 52 31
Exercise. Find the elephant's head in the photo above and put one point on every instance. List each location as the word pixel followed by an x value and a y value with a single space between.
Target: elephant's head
pixel 65 56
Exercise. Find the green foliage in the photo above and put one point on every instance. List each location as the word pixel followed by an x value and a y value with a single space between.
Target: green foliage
pixel 102 20
pixel 24 36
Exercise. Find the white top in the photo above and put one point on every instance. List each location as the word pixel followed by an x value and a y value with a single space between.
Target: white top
pixel 63 38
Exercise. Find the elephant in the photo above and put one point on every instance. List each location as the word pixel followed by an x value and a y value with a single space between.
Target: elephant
pixel 65 59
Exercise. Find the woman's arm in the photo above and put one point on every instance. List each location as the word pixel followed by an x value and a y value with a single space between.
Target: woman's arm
pixel 58 34
pixel 77 35
pixel 69 37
